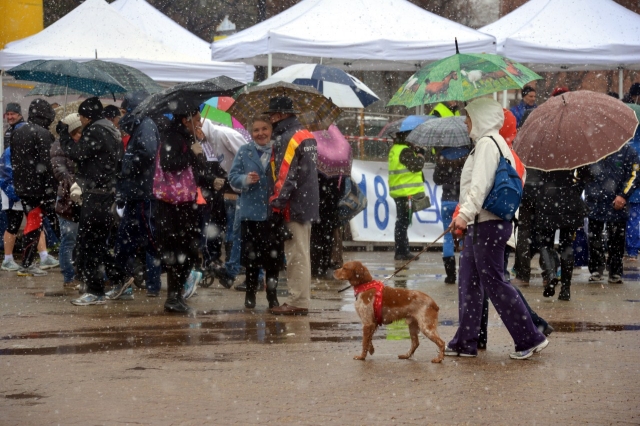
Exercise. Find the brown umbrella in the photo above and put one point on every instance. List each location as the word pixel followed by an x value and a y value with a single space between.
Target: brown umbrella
pixel 316 111
pixel 573 130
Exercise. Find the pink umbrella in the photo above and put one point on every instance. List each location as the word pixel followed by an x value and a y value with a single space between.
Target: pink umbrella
pixel 334 152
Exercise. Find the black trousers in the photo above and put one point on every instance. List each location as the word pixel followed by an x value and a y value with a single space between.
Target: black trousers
pixel 93 250
pixel 616 240
pixel 403 219
pixel 525 243
pixel 549 257
pixel 35 210
pixel 178 236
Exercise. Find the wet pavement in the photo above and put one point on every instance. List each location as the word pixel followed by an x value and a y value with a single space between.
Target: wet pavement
pixel 128 363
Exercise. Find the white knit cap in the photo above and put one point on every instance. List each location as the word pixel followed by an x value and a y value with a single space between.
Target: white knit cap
pixel 73 121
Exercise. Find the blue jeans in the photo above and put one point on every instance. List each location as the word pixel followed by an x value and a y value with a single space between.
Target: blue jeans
pixel 633 229
pixel 446 212
pixel 233 236
pixel 68 237
pixel 137 229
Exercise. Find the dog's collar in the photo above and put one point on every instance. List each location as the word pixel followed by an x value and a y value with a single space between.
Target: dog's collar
pixel 378 286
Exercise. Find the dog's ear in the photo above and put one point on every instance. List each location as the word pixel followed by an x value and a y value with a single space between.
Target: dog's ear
pixel 361 273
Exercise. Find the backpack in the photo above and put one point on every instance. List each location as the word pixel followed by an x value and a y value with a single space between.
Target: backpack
pixel 352 202
pixel 506 194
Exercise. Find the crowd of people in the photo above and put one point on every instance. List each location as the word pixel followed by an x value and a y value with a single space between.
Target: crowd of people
pixel 169 192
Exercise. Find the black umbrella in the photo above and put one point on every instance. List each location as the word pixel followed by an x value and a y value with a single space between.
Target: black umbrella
pixel 196 93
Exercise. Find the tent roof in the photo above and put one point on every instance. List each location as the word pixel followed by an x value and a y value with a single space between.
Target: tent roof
pixel 162 28
pixel 352 34
pixel 569 35
pixel 96 29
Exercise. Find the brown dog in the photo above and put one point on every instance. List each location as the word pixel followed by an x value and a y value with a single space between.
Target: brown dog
pixel 416 308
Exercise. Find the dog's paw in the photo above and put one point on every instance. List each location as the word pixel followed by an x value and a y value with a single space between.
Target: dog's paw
pixel 359 357
pixel 404 356
pixel 437 359
pixel 371 350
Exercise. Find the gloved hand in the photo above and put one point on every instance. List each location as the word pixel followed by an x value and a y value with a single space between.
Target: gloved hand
pixel 218 183
pixel 62 128
pixel 76 193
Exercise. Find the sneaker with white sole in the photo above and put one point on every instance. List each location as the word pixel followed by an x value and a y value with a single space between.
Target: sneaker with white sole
pixel 192 283
pixel 596 276
pixel 615 279
pixel 31 271
pixel 49 262
pixel 89 299
pixel 529 352
pixel 450 352
pixel 119 289
pixel 125 295
pixel 10 265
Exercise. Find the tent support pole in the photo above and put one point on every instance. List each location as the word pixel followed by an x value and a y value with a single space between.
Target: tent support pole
pixel 269 65
pixel 505 101
pixel 495 96
pixel 1 109
pixel 361 139
pixel 620 82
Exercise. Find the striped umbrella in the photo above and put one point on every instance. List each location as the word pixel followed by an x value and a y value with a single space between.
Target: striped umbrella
pixel 316 111
pixel 343 89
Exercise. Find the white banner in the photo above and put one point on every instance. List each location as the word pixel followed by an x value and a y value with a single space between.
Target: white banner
pixel 377 221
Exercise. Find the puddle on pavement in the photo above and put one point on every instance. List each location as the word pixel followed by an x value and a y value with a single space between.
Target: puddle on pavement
pixel 24 395
pixel 253 330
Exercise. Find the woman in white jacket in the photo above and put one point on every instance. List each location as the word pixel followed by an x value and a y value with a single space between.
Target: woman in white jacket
pixel 481 261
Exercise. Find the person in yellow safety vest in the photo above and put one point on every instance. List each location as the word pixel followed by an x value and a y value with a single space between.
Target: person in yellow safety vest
pixel 405 180
pixel 447 109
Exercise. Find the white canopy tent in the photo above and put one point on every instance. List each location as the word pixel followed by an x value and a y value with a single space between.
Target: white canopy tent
pixel 96 30
pixel 570 35
pixel 162 28
pixel 387 35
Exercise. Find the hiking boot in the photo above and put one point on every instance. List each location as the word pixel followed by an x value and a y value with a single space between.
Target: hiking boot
pixel 223 276
pixel 565 293
pixel 31 271
pixel 9 265
pixel 175 304
pixel 450 269
pixel 49 262
pixel 119 289
pixel 89 299
pixel 124 295
pixel 192 283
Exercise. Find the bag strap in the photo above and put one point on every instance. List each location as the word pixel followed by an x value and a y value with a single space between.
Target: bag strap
pixel 497 146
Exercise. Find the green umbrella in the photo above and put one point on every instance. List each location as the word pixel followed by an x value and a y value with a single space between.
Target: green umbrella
pixel 132 79
pixel 461 77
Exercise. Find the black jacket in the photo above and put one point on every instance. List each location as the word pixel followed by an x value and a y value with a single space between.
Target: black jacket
pixel 7 134
pixel 559 202
pixel 176 154
pixel 98 155
pixel 447 175
pixel 614 175
pixel 139 162
pixel 30 155
pixel 299 190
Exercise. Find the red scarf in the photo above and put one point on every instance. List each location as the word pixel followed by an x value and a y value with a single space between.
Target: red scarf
pixel 377 301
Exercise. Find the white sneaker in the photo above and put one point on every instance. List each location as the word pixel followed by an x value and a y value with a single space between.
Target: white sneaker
pixel 49 262
pixel 615 279
pixel 89 299
pixel 31 271
pixel 123 295
pixel 596 276
pixel 10 265
pixel 192 283
pixel 529 352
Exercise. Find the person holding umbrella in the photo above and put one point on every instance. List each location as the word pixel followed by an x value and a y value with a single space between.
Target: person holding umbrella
pixel 296 196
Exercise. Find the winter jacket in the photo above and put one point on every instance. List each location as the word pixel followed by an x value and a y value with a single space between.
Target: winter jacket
pixel 10 200
pixel 635 144
pixel 176 154
pixel 519 111
pixel 64 172
pixel 478 173
pixel 30 155
pixel 10 130
pixel 447 174
pixel 299 189
pixel 98 156
pixel 253 204
pixel 559 201
pixel 135 180
pixel 226 142
pixel 614 175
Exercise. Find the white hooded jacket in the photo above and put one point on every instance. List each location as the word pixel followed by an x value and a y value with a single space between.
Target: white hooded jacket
pixel 479 171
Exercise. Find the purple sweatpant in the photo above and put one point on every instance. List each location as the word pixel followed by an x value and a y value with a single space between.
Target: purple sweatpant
pixel 482 269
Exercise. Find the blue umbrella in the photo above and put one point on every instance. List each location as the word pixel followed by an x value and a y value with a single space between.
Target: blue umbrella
pixel 343 89
pixel 71 74
pixel 406 124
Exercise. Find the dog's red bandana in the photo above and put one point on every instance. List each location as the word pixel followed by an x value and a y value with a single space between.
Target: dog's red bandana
pixel 377 300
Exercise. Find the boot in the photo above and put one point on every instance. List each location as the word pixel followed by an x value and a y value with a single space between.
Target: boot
pixel 176 304
pixel 250 296
pixel 450 269
pixel 272 293
pixel 550 287
pixel 565 292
